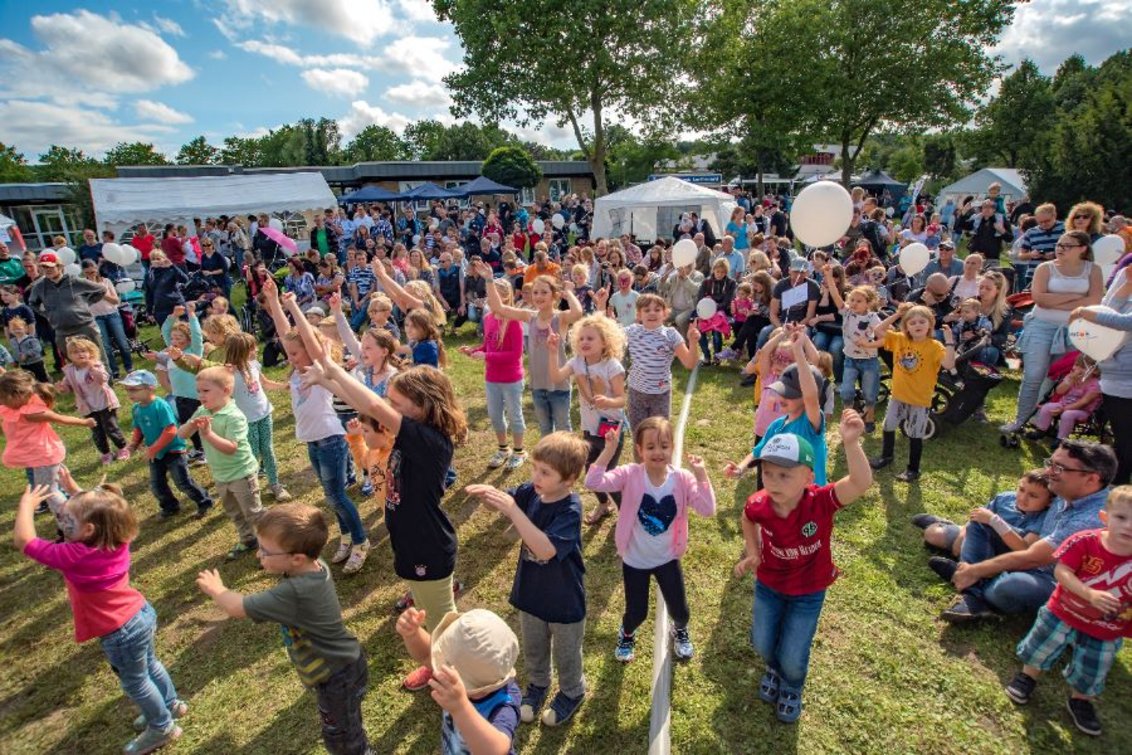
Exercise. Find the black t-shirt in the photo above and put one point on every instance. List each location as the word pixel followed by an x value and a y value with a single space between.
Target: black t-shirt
pixel 555 590
pixel 797 313
pixel 422 537
pixel 941 309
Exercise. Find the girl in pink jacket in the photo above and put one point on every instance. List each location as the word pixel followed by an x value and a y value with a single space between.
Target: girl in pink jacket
pixel 652 527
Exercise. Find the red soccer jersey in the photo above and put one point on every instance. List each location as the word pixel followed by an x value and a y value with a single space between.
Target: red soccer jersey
pixel 796 555
pixel 1100 569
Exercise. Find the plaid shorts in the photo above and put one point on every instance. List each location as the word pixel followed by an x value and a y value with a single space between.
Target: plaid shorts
pixel 1092 658
pixel 913 418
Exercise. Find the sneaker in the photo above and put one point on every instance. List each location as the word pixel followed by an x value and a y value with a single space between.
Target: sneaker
pixel 164 514
pixel 357 558
pixel 202 512
pixel 343 552
pixel 499 458
pixel 1084 716
pixel 944 567
pixel 1021 687
pixel 1010 428
pixel 179 709
pixel 705 363
pixel 748 381
pixel 626 645
pixel 908 475
pixel 533 698
pixel 107 458
pixel 196 459
pixel 240 549
pixel 367 487
pixel 279 493
pixel 682 644
pixel 417 679
pixel 923 521
pixel 42 508
pixel 404 602
pixel 966 609
pixel 123 454
pixel 561 709
pixel 880 462
pixel 768 687
pixel 1034 434
pixel 516 460
pixel 728 354
pixel 151 739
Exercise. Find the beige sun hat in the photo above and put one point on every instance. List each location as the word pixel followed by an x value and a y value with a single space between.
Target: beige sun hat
pixel 480 646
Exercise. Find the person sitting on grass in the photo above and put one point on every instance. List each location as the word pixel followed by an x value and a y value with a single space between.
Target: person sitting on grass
pixel 1091 609
pixel 328 658
pixel 787 527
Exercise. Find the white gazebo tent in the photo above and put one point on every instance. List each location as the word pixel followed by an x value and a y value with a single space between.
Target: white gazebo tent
pixel 120 203
pixel 1013 185
pixel 651 210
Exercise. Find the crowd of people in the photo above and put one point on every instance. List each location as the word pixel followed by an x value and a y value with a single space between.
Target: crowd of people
pixel 360 320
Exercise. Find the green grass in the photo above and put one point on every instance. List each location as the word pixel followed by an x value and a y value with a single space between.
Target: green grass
pixel 886 675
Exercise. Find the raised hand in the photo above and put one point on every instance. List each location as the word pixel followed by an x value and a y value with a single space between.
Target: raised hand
pixel 448 689
pixel 732 471
pixel 335 302
pixel 210 583
pixel 852 427
pixel 410 620
pixel 35 495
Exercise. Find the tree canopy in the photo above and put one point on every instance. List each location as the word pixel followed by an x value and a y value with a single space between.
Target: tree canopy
pixel 512 166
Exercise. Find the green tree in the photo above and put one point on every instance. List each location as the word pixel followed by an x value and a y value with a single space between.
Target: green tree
pixel 13 165
pixel 939 156
pixel 197 152
pixel 423 138
pixel 512 166
pixel 241 151
pixel 624 57
pixel 134 153
pixel 467 141
pixel 631 159
pixel 1016 123
pixel 67 164
pixel 374 143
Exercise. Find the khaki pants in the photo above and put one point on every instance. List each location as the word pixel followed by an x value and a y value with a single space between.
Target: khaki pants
pixel 241 504
pixel 435 598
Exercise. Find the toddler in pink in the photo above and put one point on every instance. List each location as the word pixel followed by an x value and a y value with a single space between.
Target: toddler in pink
pixel 1074 400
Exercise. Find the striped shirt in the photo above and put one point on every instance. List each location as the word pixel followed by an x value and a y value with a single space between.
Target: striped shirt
pixel 363 278
pixel 1038 240
pixel 651 353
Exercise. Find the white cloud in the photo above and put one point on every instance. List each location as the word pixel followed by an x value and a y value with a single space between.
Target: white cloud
pixel 217 55
pixel 169 26
pixel 363 114
pixel 340 82
pixel 360 21
pixel 417 10
pixel 419 94
pixel 35 126
pixel 420 56
pixel 148 110
pixel 1049 31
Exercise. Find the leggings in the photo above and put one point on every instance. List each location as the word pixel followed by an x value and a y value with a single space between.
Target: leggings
pixel 597 445
pixel 106 429
pixel 260 439
pixel 669 578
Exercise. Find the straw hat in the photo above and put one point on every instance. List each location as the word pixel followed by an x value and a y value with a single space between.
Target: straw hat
pixel 480 646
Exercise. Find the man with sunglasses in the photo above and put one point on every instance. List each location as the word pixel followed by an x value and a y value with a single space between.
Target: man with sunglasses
pixel 1012 582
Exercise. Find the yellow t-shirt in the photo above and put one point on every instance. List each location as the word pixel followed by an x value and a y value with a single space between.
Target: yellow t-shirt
pixel 915 367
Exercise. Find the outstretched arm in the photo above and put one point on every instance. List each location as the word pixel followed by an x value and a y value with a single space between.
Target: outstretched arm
pixel 274 308
pixel 860 477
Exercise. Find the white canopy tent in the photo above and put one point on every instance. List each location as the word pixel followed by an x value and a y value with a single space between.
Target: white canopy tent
pixel 120 203
pixel 1013 185
pixel 652 209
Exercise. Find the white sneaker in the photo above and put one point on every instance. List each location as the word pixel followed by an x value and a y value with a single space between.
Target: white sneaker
pixel 516 460
pixel 357 558
pixel 499 458
pixel 343 552
pixel 279 493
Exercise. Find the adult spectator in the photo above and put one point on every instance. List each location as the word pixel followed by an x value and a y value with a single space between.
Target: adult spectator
pixel 11 269
pixel 322 238
pixel 947 263
pixel 794 299
pixel 936 296
pixel 1116 371
pixel 633 253
pixel 778 223
pixel 736 259
pixel 1024 207
pixel 737 228
pixel 720 287
pixel 172 248
pixel 1014 582
pixel 873 228
pixel 680 288
pixel 699 225
pixel 1039 243
pixel 144 242
pixel 239 245
pixel 215 267
pixel 109 321
pixel 163 286
pixel 992 292
pixel 264 247
pixel 1063 284
pixel 91 248
pixel 1087 217
pixel 988 231
pixel 966 285
pixel 540 265
pixel 65 301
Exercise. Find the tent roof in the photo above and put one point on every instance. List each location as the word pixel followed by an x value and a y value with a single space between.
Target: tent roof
pixel 428 190
pixel 664 191
pixel 369 194
pixel 125 201
pixel 878 178
pixel 976 183
pixel 482 186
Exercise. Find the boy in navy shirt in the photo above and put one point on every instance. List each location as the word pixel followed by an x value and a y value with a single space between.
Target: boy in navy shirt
pixel 548 590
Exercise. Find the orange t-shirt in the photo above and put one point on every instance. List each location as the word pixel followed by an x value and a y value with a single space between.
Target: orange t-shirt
pixel 27 443
pixel 552 269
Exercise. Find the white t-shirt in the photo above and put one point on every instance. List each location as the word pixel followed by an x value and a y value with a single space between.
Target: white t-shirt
pixel 597 380
pixel 650 542
pixel 314 412
pixel 625 306
pixel 651 352
pixel 857 328
pixel 251 399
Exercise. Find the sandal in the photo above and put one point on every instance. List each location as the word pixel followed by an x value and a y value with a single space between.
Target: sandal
pixel 789 706
pixel 768 687
pixel 601 512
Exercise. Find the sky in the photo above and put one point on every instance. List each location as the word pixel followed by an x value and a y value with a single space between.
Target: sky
pixel 93 74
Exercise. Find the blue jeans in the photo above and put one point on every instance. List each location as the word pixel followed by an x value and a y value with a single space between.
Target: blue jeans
pixel 782 631
pixel 328 459
pixel 114 337
pixel 834 344
pixel 716 342
pixel 868 370
pixel 552 410
pixel 1038 349
pixel 144 680
pixel 176 465
pixel 505 407
pixel 1008 592
pixel 359 315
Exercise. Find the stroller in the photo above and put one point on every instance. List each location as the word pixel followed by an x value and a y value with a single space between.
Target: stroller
pixel 130 325
pixel 1094 426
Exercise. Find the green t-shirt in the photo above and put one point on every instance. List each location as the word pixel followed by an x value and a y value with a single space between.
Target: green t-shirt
pixel 231 424
pixel 310 618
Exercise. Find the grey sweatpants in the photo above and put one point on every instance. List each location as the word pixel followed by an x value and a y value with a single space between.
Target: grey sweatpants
pixel 538 638
pixel 644 405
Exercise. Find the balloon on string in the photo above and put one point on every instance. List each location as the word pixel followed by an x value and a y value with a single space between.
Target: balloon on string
pixel 1108 249
pixel 821 213
pixel 889 212
pixel 73 270
pixel 125 286
pixel 433 224
pixel 1098 342
pixel 914 258
pixel 276 223
pixel 538 226
pixel 557 221
pixel 111 252
pixel 706 308
pixel 684 253
pixel 66 255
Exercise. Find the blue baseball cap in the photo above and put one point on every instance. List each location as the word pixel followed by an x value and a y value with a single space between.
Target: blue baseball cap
pixel 139 378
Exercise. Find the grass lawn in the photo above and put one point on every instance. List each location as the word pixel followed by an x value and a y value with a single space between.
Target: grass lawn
pixel 886 675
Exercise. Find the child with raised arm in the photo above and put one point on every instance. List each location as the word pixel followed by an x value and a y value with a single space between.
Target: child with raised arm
pixel 787 528
pixel 652 528
pixel 474 655
pixel 652 347
pixel 549 589
pixel 85 376
pixel 182 337
pixel 328 658
pixel 859 320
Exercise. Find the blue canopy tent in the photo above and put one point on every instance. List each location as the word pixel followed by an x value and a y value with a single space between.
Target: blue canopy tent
pixel 427 190
pixel 483 186
pixel 369 194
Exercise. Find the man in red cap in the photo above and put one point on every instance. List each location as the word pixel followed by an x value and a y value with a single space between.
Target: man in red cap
pixel 65 301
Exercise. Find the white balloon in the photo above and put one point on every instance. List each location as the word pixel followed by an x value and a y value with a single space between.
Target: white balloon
pixel 821 213
pixel 416 239
pixel 276 223
pixel 706 308
pixel 125 286
pixel 66 255
pixel 1108 249
pixel 113 253
pixel 538 226
pixel 557 221
pixel 73 270
pixel 131 254
pixel 433 224
pixel 1106 271
pixel 914 258
pixel 574 229
pixel 1097 342
pixel 890 212
pixel 684 253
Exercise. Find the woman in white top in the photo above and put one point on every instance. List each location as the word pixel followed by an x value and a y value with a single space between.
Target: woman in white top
pixel 109 321
pixel 966 286
pixel 1059 286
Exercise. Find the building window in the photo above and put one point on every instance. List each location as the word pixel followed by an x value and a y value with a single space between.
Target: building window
pixel 40 223
pixel 558 188
pixel 527 196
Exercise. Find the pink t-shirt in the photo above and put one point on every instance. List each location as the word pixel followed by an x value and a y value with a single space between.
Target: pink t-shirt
pixel 28 443
pixel 503 357
pixel 98 584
